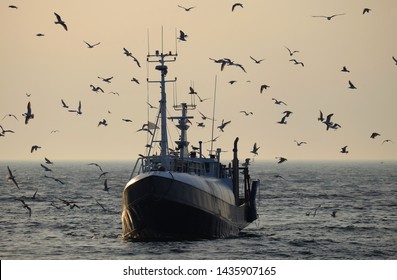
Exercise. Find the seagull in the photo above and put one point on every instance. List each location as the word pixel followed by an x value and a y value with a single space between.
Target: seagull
pixel 107 80
pixel 315 211
pixel 128 53
pixel 60 21
pixel 351 86
pixel 34 195
pixel 204 117
pixel 186 9
pixel 91 46
pixel 135 80
pixel 223 125
pixel 200 124
pixel 40 35
pixel 55 179
pixel 321 118
pixel 278 102
pixel 71 204
pixel 97 165
pixel 264 87
pixel 344 150
pixel 237 65
pixel 64 104
pixel 246 113
pixel 281 159
pixel 25 206
pixel 4 131
pixel 48 161
pixel 232 82
pixel 28 115
pixel 12 7
pixel 78 111
pixel 344 69
pixel 366 10
pixel 126 120
pixel 395 59
pixel 105 184
pixel 374 135
pixel 255 149
pixel 45 168
pixel 103 122
pixel 202 99
pixel 12 177
pixel 333 214
pixel 387 140
pixel 237 5
pixel 34 148
pixel 283 121
pixel 297 62
pixel 330 17
pixel 291 53
pixel 256 61
pixel 10 115
pixel 299 143
pixel 182 36
pixel 103 207
pixel 96 89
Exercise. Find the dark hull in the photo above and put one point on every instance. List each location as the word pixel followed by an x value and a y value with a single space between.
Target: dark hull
pixel 162 207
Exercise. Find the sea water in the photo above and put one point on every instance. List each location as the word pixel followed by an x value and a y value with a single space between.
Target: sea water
pixel 295 203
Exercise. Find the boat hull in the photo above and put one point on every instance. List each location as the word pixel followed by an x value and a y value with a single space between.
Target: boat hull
pixel 175 206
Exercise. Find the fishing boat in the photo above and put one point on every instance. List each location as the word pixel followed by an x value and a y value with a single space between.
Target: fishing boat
pixel 182 194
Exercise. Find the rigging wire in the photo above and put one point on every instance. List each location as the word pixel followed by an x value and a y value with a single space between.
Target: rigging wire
pixel 213 117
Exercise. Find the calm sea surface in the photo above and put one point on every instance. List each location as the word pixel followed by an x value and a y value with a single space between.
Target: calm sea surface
pixel 363 194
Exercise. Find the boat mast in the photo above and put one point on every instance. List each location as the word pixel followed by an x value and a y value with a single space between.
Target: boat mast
pixel 163 58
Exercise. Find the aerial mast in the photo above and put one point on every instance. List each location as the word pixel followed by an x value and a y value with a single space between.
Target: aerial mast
pixel 162 58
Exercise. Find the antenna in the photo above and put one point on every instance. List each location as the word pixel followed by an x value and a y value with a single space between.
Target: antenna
pixel 162 40
pixel 213 116
pixel 148 38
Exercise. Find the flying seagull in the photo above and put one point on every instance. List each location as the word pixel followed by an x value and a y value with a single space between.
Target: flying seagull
pixel 128 53
pixel 78 111
pixel 278 102
pixel 55 179
pixel 291 53
pixel 96 89
pixel 281 159
pixel 45 168
pixel 12 7
pixel 34 148
pixel 366 10
pixel 297 62
pixel 64 104
pixel 330 17
pixel 264 87
pixel 344 69
pixel 387 141
pixel 299 143
pixel 28 115
pixel 223 125
pixel 256 60
pixel 12 177
pixel 237 5
pixel 344 150
pixel 4 131
pixel 255 149
pixel 186 9
pixel 182 36
pixel 10 115
pixel 374 135
pixel 351 86
pixel 107 80
pixel 47 161
pixel 25 205
pixel 60 21
pixel 103 122
pixel 91 46
pixel 395 59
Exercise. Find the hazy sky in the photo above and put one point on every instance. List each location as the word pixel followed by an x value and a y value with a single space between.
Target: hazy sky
pixel 60 66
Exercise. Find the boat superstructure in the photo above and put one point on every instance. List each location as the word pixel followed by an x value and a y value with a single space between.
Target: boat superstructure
pixel 182 194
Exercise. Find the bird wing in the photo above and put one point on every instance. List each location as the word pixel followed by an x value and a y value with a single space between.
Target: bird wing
pixel 59 19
